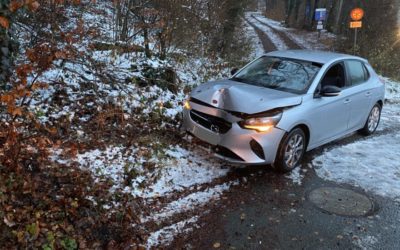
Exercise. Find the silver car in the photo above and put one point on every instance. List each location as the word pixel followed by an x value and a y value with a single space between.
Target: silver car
pixel 283 104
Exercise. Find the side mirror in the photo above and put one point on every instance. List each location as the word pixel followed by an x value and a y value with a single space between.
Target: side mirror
pixel 234 71
pixel 330 90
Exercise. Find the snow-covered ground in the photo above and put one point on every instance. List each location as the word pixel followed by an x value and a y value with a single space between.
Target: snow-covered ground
pixel 257 47
pixel 371 163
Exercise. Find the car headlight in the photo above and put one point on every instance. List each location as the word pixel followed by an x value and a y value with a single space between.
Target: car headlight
pixel 186 104
pixel 261 124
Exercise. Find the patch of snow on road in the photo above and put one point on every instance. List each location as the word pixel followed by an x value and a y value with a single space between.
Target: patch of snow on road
pixel 392 90
pixel 372 164
pixel 295 175
pixel 390 118
pixel 167 234
pixel 190 202
pixel 367 242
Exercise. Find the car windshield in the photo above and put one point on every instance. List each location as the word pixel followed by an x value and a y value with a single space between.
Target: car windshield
pixel 283 74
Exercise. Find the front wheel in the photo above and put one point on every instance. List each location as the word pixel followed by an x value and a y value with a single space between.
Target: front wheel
pixel 291 151
pixel 373 120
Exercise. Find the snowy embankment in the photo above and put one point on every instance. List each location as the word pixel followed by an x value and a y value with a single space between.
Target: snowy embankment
pixel 257 47
pixel 371 163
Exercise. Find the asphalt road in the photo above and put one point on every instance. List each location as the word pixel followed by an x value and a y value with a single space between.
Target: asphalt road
pixel 269 211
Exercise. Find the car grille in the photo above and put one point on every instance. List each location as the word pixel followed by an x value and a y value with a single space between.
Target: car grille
pixel 213 123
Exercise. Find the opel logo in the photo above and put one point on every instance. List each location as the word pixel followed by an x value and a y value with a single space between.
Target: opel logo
pixel 215 129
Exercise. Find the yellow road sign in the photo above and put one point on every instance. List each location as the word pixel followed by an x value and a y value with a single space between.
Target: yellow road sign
pixel 355 25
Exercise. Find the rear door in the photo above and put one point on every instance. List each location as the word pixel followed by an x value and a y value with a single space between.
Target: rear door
pixel 359 89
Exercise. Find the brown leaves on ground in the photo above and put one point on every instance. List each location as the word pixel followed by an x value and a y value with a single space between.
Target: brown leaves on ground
pixel 49 206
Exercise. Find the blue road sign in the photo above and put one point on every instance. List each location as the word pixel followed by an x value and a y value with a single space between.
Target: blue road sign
pixel 320 14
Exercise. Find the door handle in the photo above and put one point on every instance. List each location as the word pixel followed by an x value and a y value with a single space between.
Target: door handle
pixel 347 101
pixel 368 93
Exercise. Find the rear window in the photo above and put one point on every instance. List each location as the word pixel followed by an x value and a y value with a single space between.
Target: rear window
pixel 357 72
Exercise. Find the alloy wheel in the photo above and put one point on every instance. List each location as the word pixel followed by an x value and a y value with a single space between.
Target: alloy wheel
pixel 373 119
pixel 294 150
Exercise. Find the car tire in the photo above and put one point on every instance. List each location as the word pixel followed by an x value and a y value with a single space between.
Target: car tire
pixel 373 120
pixel 291 151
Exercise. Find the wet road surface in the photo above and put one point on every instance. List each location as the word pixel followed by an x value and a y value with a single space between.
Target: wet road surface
pixel 268 211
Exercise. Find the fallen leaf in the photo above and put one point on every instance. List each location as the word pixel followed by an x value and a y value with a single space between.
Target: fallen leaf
pixel 4 22
pixel 8 222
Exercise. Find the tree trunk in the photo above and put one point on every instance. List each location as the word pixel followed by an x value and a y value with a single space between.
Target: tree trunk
pixel 146 42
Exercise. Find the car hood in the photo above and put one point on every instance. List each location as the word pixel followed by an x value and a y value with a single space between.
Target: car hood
pixel 244 98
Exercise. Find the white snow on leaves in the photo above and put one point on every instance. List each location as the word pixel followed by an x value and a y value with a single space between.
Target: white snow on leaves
pixel 178 170
pixel 181 170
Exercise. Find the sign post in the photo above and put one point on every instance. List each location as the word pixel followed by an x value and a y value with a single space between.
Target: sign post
pixel 320 17
pixel 356 16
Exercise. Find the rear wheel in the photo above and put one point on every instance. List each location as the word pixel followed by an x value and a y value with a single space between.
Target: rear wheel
pixel 291 151
pixel 373 120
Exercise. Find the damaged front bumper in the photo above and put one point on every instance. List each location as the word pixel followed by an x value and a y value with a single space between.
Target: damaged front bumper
pixel 220 133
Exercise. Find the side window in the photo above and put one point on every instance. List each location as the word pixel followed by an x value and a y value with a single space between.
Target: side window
pixel 357 72
pixel 335 76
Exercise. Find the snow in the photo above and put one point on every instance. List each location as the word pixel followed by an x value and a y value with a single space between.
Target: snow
pixel 392 90
pixel 187 203
pixel 366 242
pixel 362 164
pixel 257 47
pixel 305 39
pixel 275 38
pixel 181 170
pixel 184 170
pixel 296 175
pixel 167 234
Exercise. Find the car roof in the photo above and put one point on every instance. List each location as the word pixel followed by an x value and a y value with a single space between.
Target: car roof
pixel 317 56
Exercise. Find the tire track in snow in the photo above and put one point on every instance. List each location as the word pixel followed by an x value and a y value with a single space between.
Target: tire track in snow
pixel 276 40
pixel 289 42
pixel 268 45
